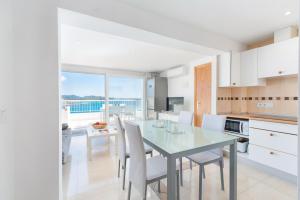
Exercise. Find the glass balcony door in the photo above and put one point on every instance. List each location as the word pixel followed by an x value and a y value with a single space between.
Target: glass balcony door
pixel 88 98
pixel 125 97
pixel 83 98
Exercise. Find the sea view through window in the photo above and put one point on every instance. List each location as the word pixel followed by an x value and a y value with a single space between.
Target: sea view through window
pixel 85 99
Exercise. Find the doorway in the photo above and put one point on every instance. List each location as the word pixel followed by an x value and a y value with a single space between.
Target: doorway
pixel 202 92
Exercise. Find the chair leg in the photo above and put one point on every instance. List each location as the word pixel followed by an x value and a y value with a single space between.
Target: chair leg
pixel 145 195
pixel 191 165
pixel 178 188
pixel 129 190
pixel 119 168
pixel 200 181
pixel 181 174
pixel 203 171
pixel 124 174
pixel 158 186
pixel 222 174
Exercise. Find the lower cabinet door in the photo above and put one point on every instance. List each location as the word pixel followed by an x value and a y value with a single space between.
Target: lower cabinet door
pixel 273 140
pixel 275 159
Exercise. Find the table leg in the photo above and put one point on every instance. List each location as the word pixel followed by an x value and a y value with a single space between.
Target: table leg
pixel 171 178
pixel 233 172
pixel 89 144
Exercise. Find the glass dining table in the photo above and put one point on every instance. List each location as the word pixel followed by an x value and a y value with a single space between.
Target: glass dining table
pixel 175 140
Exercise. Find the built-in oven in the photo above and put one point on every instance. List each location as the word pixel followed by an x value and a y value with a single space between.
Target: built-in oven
pixel 237 126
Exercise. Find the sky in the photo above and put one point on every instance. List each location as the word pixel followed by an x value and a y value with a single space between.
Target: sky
pixel 82 84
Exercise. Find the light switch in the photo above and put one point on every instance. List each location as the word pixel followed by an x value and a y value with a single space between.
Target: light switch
pixel 264 105
pixel 269 105
pixel 260 105
pixel 3 115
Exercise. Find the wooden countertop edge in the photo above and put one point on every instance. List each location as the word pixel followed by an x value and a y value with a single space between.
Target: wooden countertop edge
pixel 292 122
pixel 275 120
pixel 239 116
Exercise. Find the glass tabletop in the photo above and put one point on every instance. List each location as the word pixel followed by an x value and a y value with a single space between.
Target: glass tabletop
pixel 173 137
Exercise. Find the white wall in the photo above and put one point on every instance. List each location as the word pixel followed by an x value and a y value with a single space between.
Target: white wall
pixel 183 86
pixel 36 93
pixel 6 88
pixel 36 90
pixel 298 178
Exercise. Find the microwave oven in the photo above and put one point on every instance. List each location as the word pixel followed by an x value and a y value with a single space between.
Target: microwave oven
pixel 237 126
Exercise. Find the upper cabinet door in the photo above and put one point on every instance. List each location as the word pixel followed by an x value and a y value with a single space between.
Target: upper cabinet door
pixel 235 69
pixel 249 76
pixel 278 59
pixel 229 69
pixel 224 69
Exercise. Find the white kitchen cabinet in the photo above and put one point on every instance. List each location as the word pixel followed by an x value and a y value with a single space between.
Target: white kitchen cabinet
pixel 235 69
pixel 229 69
pixel 274 140
pixel 274 144
pixel 224 69
pixel 275 159
pixel 278 59
pixel 291 129
pixel 248 69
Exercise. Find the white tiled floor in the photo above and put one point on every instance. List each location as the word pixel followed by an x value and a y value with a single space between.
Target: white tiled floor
pixel 97 180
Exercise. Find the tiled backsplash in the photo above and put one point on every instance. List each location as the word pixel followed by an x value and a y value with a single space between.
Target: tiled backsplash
pixel 281 94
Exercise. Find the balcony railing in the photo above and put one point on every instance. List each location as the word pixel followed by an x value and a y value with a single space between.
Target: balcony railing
pixel 82 112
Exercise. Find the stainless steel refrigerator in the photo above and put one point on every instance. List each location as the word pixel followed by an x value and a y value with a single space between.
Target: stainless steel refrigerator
pixel 157 93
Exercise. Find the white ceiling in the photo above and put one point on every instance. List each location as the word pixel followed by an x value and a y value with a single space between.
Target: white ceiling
pixel 90 48
pixel 90 42
pixel 242 20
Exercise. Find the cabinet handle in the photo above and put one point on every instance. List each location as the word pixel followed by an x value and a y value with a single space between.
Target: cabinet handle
pixel 280 72
pixel 233 83
pixel 271 134
pixel 272 153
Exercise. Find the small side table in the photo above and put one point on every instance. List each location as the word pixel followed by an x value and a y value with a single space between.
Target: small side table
pixel 93 133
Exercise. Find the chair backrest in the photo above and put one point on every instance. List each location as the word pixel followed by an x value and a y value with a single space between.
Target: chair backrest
pixel 186 117
pixel 137 168
pixel 215 123
pixel 121 139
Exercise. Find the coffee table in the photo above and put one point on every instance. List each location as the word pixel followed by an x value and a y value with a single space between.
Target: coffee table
pixel 93 133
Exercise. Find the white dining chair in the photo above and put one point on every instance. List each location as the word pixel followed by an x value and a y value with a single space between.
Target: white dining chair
pixel 185 117
pixel 142 171
pixel 215 123
pixel 123 149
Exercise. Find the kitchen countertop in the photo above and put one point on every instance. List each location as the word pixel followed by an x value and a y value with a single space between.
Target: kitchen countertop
pixel 169 113
pixel 265 117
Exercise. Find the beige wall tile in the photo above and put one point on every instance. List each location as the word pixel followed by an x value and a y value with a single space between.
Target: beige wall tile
pixel 252 91
pixel 289 87
pixel 276 87
pixel 289 108
pixel 224 106
pixel 251 105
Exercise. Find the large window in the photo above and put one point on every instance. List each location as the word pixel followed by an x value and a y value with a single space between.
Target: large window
pixel 125 97
pixel 87 99
pixel 83 98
